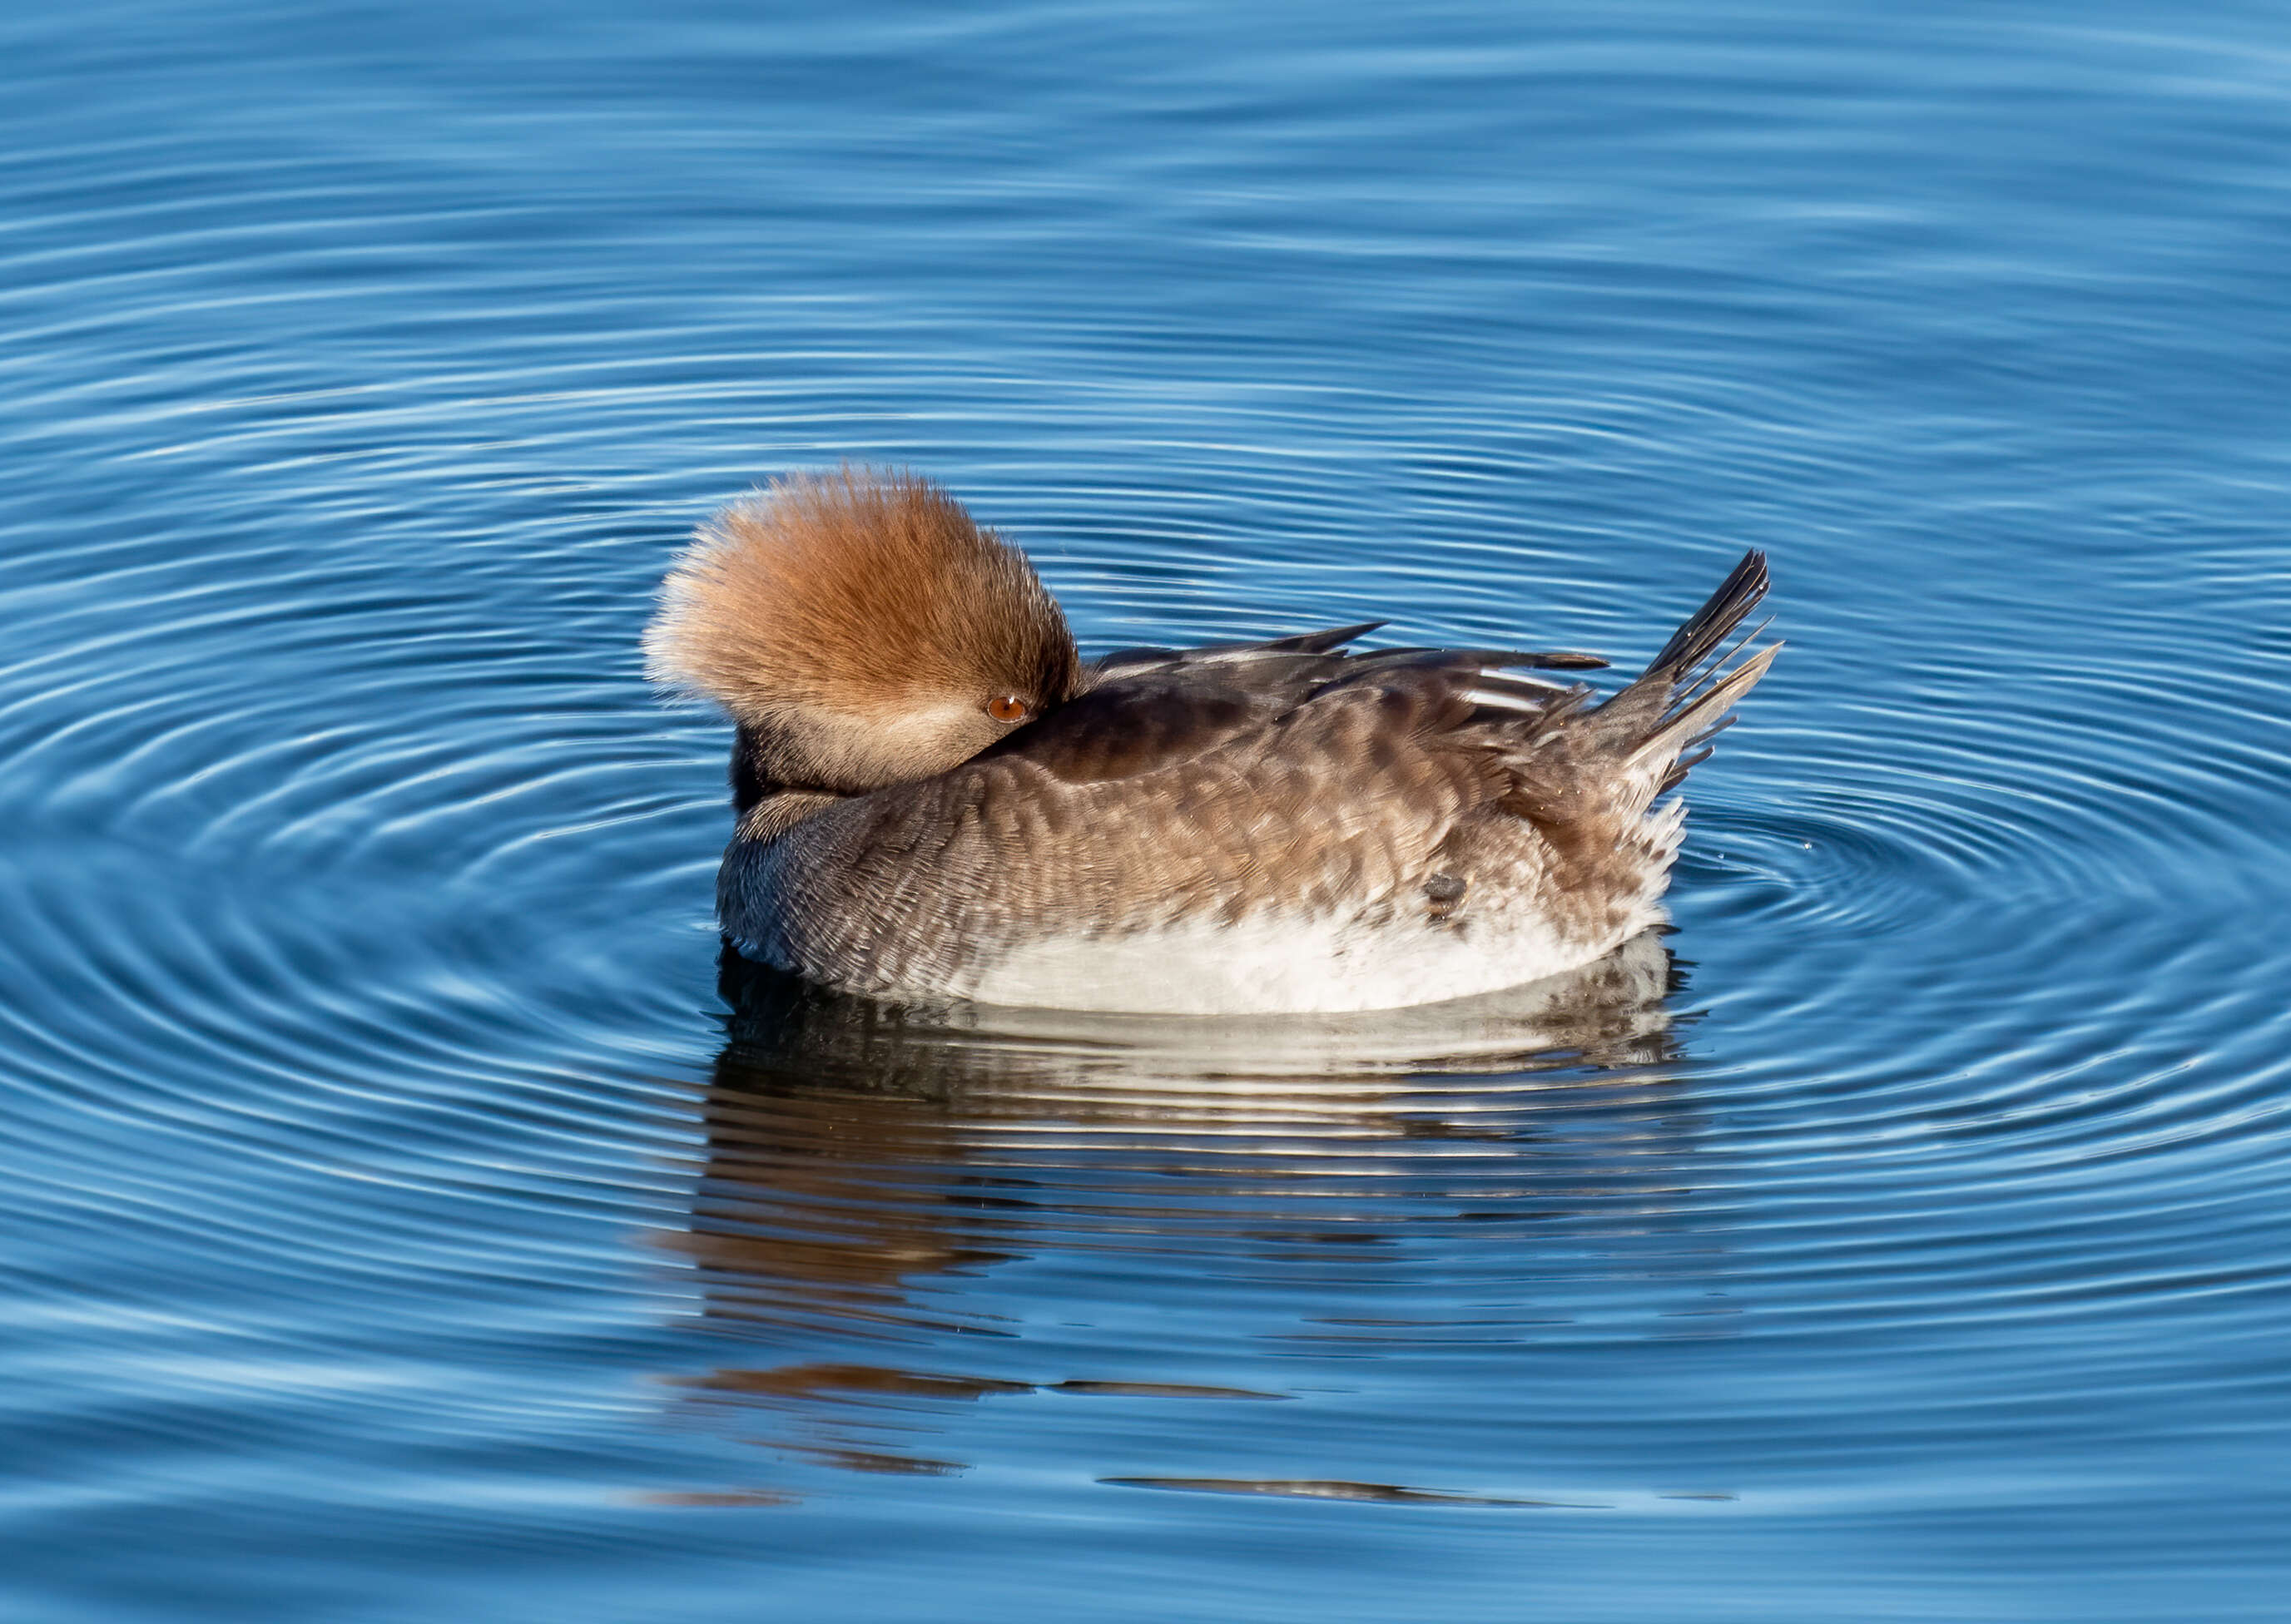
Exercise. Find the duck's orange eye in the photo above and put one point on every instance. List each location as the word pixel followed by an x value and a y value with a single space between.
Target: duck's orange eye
pixel 1007 708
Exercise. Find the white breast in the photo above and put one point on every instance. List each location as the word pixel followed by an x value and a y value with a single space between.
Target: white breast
pixel 1274 964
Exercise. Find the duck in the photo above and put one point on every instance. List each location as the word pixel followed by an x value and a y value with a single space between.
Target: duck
pixel 936 798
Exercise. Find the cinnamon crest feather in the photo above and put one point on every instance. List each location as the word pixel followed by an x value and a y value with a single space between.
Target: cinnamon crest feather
pixel 859 598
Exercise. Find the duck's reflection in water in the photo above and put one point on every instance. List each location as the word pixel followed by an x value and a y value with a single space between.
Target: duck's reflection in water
pixel 915 1208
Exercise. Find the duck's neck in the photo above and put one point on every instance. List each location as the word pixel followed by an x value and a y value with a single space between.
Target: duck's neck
pixel 763 808
pixel 749 783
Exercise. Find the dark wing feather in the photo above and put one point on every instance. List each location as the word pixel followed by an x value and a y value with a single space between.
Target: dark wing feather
pixel 1126 662
pixel 1148 714
pixel 1129 661
pixel 1147 720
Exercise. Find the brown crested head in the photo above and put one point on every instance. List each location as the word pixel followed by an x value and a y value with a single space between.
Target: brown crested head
pixel 861 629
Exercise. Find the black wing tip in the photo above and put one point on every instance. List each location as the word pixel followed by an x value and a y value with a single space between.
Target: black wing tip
pixel 1496 659
pixel 1336 636
pixel 1549 659
pixel 1293 643
pixel 1147 656
pixel 1115 660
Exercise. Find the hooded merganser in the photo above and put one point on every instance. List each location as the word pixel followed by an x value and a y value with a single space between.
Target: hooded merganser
pixel 938 797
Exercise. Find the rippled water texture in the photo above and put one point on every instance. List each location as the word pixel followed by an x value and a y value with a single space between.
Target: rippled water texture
pixel 405 1221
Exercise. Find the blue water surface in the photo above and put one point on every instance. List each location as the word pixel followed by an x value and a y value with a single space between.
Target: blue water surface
pixel 405 1221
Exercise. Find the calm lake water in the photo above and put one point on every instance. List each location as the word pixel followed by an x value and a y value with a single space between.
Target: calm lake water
pixel 404 1222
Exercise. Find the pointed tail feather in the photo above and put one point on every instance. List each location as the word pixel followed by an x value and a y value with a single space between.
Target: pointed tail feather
pixel 1682 699
pixel 1710 625
pixel 1600 768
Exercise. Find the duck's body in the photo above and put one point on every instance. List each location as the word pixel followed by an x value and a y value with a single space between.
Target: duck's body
pixel 1279 826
